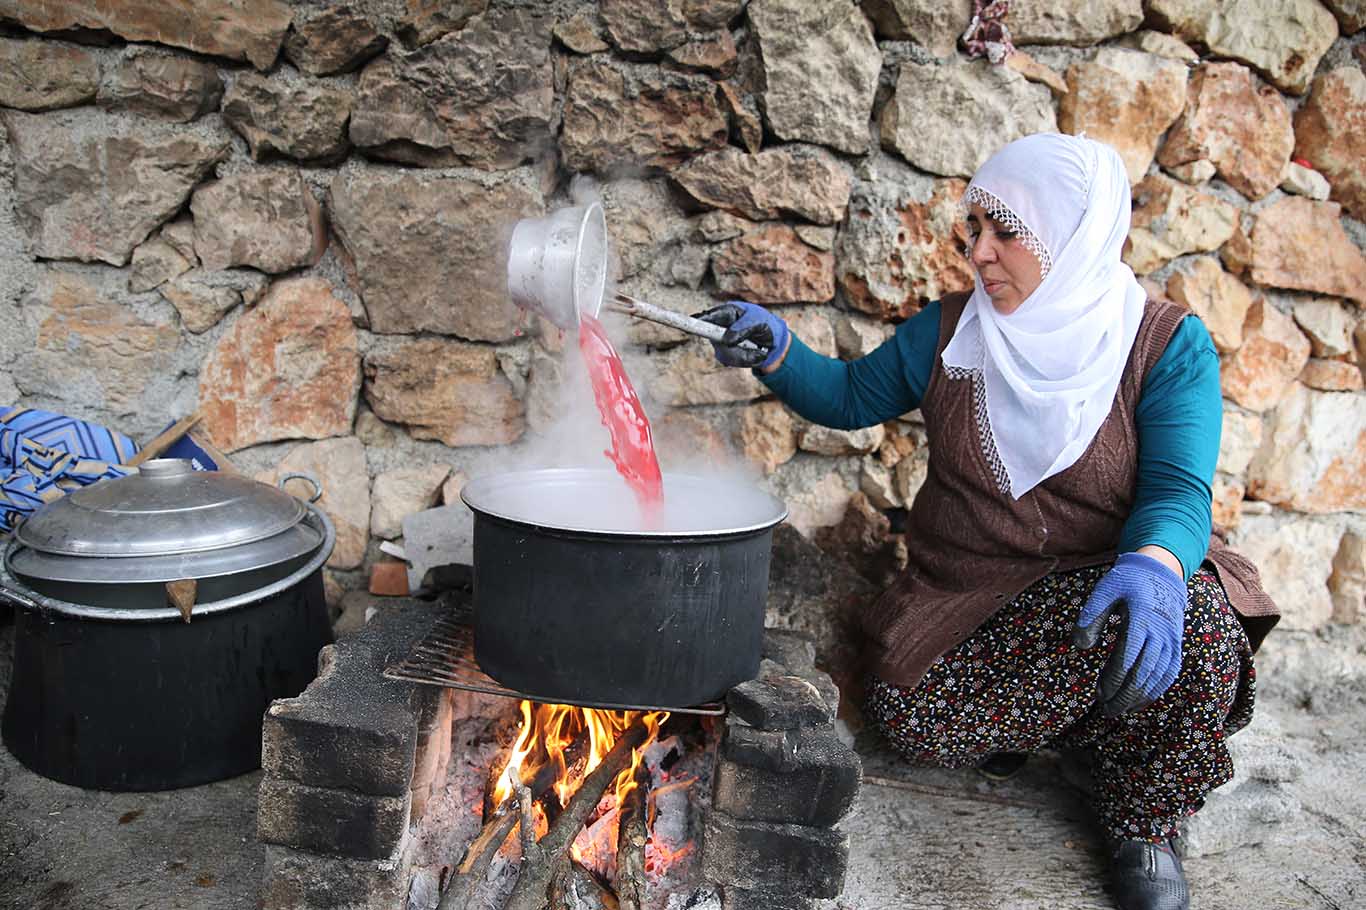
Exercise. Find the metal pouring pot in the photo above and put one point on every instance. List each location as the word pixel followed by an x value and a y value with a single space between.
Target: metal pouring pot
pixel 557 265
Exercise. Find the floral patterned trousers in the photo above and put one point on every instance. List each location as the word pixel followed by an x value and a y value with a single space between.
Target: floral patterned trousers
pixel 1017 685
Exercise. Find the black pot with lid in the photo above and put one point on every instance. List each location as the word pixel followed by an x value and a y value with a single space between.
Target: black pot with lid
pixel 115 687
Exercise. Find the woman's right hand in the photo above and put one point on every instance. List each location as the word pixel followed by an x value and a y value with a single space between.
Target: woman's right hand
pixel 768 335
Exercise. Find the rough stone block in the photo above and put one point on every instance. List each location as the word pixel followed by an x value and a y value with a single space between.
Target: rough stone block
pixel 352 728
pixel 793 650
pixel 742 899
pixel 335 821
pixel 341 822
pixel 372 753
pixel 830 693
pixel 818 790
pixel 1251 816
pixel 245 403
pixel 746 745
pixel 779 703
pixel 769 668
pixel 296 880
pixel 780 859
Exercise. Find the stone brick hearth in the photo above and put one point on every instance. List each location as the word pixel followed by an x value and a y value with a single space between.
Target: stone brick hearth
pixel 348 765
pixel 354 810
pixel 783 781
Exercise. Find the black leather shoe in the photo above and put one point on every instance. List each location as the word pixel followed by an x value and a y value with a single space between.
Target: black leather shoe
pixel 1148 877
pixel 1002 765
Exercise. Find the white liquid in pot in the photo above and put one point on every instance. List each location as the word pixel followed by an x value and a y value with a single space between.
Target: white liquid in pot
pixel 598 500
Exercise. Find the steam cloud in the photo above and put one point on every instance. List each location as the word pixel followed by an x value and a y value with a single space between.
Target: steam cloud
pixel 703 492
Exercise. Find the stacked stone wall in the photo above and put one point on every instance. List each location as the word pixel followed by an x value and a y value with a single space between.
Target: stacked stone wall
pixel 292 215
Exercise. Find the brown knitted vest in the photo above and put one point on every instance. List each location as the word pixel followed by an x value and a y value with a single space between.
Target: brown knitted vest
pixel 973 548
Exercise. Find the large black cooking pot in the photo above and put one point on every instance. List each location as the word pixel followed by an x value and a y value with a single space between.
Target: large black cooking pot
pixel 579 598
pixel 111 687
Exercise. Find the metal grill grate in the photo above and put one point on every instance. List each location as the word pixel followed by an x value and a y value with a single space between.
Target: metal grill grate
pixel 445 657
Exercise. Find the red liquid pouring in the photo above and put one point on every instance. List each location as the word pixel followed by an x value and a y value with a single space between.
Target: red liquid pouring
pixel 633 449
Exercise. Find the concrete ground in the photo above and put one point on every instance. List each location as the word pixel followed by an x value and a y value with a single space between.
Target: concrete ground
pixel 63 847
pixel 920 839
pixel 1288 832
pixel 958 841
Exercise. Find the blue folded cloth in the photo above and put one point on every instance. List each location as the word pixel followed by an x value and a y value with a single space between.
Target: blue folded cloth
pixel 44 456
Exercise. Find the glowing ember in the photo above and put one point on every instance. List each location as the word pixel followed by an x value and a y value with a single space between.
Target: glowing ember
pixel 659 854
pixel 596 846
pixel 659 857
pixel 633 449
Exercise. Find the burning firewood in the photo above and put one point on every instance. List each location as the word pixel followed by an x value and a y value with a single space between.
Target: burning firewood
pixel 575 888
pixel 632 836
pixel 491 789
pixel 531 892
pixel 498 824
pixel 473 868
pixel 547 799
pixel 575 757
pixel 526 805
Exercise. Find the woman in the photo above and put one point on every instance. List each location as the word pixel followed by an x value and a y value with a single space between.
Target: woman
pixel 1063 586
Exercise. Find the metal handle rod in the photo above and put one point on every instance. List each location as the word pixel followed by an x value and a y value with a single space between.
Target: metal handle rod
pixel 648 311
pixel 15 599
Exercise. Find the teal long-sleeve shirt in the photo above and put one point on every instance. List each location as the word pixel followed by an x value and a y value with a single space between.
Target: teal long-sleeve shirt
pixel 1179 415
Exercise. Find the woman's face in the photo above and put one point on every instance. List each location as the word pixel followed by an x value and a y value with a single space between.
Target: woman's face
pixel 1009 271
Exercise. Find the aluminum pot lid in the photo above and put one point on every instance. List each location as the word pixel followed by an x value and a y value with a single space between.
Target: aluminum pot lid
pixel 166 508
pixel 292 543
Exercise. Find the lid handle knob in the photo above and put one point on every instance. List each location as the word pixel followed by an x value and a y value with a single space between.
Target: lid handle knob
pixel 166 467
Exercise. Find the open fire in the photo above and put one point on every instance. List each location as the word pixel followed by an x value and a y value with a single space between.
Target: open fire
pixel 554 735
pixel 600 803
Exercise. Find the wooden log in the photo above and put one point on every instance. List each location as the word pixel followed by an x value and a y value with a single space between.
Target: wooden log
pixel 575 754
pixel 574 757
pixel 531 892
pixel 525 804
pixel 490 789
pixel 489 838
pixel 561 891
pixel 498 824
pixel 469 877
pixel 576 888
pixel 633 833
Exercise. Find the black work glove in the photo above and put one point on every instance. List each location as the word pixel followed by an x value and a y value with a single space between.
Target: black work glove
pixel 747 322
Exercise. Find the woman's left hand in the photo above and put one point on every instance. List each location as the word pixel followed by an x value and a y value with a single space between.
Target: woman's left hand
pixel 1151 600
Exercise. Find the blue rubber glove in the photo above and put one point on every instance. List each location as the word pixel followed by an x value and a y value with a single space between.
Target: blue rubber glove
pixel 747 322
pixel 1151 598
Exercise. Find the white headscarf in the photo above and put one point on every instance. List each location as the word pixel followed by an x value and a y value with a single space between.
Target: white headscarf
pixel 1046 375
